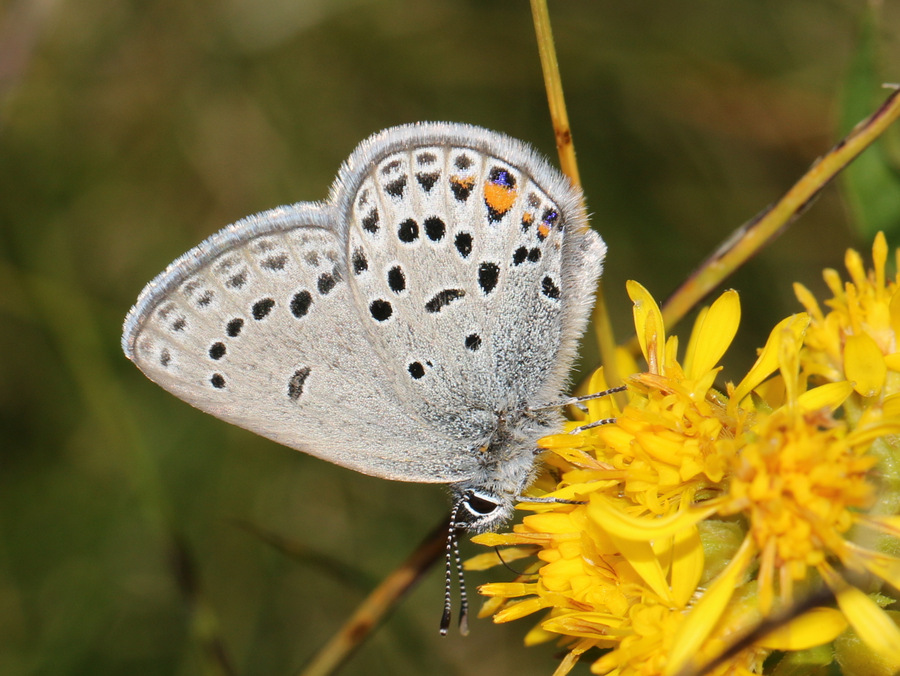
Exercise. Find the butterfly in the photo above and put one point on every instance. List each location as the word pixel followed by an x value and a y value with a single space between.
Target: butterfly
pixel 417 325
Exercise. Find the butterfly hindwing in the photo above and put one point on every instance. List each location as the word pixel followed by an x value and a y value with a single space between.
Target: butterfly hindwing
pixel 472 281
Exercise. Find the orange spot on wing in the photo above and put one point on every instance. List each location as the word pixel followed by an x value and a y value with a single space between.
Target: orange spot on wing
pixel 500 198
pixel 467 182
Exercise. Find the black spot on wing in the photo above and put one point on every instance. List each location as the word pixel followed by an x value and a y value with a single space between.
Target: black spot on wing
pixel 463 244
pixel 549 288
pixel 416 370
pixel 233 327
pixel 300 303
pixel 276 262
pixel 427 180
pixel 296 382
pixel 326 282
pixel 488 275
pixel 443 298
pixel 396 279
pixel 370 221
pixel 390 166
pixel 262 308
pixel 237 281
pixel 381 310
pixel 217 350
pixel 396 187
pixel 408 231
pixel 426 158
pixel 435 228
pixel 461 188
pixel 360 263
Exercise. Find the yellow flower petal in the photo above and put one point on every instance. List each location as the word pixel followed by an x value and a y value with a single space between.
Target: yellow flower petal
pixel 886 524
pixel 641 557
pixel 767 362
pixel 708 610
pixel 508 589
pixel 855 266
pixel 864 364
pixel 562 441
pixel 567 662
pixel 556 523
pixel 537 635
pixel 874 626
pixel 498 539
pixel 868 434
pixel 829 396
pixel 816 627
pixel 618 523
pixel 833 281
pixel 879 257
pixel 687 565
pixel 808 300
pixel 649 326
pixel 588 624
pixel 491 605
pixel 885 566
pixel 892 361
pixel 493 559
pixel 894 311
pixel 714 330
pixel 520 609
pixel 601 407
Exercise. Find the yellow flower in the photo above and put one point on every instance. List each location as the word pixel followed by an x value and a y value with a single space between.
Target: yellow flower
pixel 702 511
pixel 857 339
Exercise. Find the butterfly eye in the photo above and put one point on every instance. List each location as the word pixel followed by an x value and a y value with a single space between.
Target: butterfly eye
pixel 481 505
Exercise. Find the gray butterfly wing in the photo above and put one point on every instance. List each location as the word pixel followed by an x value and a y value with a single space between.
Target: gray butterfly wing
pixel 473 267
pixel 335 328
pixel 257 326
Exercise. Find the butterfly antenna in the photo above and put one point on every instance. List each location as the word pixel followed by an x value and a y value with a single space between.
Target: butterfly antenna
pixel 595 395
pixel 463 598
pixel 451 547
pixel 578 401
pixel 592 425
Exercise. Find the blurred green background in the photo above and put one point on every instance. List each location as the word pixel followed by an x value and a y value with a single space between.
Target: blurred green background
pixel 129 131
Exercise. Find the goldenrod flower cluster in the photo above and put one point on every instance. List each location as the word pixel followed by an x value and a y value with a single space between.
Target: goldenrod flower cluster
pixel 705 511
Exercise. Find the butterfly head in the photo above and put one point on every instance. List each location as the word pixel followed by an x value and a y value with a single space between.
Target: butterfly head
pixel 480 510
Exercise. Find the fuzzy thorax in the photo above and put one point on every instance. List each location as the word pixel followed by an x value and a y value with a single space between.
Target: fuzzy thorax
pixel 506 468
